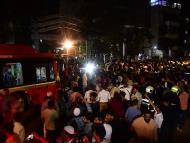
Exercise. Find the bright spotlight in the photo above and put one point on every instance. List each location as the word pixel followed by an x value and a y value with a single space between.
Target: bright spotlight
pixel 90 68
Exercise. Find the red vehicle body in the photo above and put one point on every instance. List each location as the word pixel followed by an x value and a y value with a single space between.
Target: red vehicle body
pixel 23 68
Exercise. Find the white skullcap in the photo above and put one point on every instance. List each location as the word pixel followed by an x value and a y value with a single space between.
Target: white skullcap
pixel 69 129
pixel 76 111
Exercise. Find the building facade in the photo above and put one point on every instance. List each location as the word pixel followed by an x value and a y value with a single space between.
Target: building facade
pixel 166 22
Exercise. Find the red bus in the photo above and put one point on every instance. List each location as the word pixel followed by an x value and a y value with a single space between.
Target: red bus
pixel 23 68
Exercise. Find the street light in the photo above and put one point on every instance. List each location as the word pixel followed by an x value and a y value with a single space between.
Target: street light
pixel 68 44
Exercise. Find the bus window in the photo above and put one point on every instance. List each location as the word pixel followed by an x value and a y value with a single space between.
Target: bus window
pixel 12 74
pixel 51 73
pixel 41 74
pixel 24 68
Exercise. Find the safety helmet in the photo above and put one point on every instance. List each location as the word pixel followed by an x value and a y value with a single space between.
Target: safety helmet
pixel 149 89
pixel 175 89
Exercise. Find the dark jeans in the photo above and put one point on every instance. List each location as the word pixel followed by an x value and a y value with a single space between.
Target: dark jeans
pixel 51 136
pixel 182 117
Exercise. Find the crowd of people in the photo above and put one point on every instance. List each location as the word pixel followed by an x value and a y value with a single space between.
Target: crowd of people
pixel 134 102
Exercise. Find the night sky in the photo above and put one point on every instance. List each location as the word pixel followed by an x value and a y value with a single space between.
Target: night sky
pixel 24 8
pixel 104 15
pixel 34 8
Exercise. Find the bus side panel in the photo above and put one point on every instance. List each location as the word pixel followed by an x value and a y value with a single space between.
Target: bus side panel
pixel 38 93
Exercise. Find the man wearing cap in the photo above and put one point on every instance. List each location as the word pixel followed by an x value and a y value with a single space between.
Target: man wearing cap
pixel 67 135
pixel 78 119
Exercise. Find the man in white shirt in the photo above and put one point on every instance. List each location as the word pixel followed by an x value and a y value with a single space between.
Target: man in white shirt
pixel 127 88
pixel 113 89
pixel 158 118
pixel 87 98
pixel 108 129
pixel 103 99
pixel 49 116
pixel 135 94
pixel 84 81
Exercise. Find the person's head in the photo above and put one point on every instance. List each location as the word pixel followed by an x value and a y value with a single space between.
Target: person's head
pixel 51 104
pixel 157 108
pixel 135 89
pixel 97 120
pixel 109 116
pixel 185 88
pixel 93 96
pixel 99 133
pixel 117 95
pixel 125 83
pixel 147 116
pixel 79 100
pixel 130 82
pixel 88 117
pixel 134 102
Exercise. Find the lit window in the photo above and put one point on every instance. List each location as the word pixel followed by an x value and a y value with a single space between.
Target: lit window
pixel 176 5
pixel 12 74
pixel 164 3
pixel 179 5
pixel 158 2
pixel 152 1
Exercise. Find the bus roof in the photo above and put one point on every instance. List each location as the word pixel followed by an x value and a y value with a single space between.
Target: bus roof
pixel 21 51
